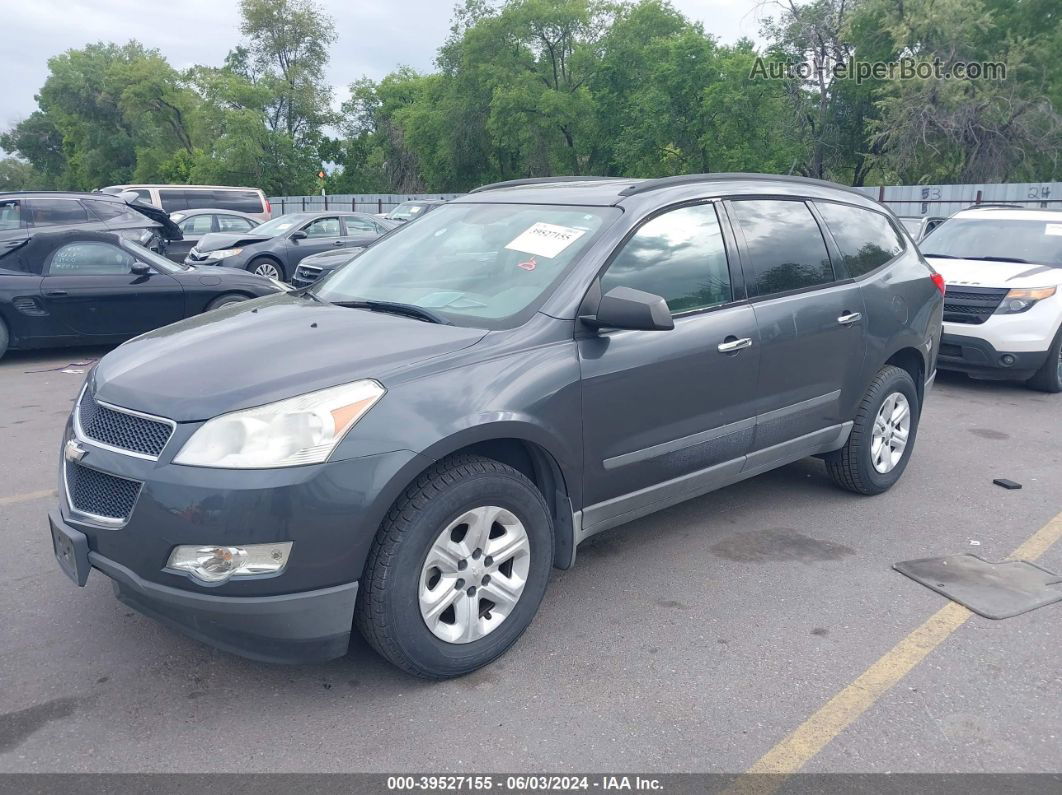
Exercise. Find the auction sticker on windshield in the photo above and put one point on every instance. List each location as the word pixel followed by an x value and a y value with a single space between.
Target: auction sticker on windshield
pixel 545 240
pixel 1053 229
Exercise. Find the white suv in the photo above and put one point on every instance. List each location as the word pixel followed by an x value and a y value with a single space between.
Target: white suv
pixel 1003 305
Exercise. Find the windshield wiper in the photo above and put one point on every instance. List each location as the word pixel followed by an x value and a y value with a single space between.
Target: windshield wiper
pixel 1001 259
pixel 939 256
pixel 395 308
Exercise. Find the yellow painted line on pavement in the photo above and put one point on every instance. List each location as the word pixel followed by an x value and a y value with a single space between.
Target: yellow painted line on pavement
pixel 795 750
pixel 29 495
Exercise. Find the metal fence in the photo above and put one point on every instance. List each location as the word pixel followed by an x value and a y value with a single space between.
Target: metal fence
pixel 922 200
pixel 355 202
pixel 905 200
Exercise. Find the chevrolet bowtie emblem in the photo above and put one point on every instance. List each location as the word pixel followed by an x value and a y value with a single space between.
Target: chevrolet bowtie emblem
pixel 73 452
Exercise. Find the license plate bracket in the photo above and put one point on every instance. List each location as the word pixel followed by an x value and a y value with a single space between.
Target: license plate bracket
pixel 71 551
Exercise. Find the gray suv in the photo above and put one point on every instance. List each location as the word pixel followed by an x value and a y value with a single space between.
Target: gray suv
pixel 409 445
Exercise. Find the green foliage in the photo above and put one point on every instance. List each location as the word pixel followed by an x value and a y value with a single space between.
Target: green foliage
pixel 542 87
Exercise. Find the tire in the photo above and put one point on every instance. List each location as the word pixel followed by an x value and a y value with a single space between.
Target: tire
pixel 857 466
pixel 269 267
pixel 225 300
pixel 1049 377
pixel 400 571
pixel 5 339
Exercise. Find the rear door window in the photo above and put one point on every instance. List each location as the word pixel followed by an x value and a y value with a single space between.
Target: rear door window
pixel 197 225
pixel 173 200
pixel 867 239
pixel 57 212
pixel 241 201
pixel 323 227
pixel 358 226
pixel 201 200
pixel 234 223
pixel 784 246
pixel 10 215
pixel 679 255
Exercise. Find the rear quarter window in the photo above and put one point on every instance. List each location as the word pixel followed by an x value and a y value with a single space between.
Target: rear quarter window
pixel 867 239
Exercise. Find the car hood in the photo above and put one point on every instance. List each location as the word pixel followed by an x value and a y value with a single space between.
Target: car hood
pixel 260 351
pixel 982 273
pixel 215 241
pixel 332 259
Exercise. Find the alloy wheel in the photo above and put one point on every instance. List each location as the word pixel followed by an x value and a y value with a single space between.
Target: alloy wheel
pixel 474 574
pixel 267 269
pixel 892 428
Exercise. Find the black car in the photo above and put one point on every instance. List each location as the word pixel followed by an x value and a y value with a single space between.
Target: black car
pixel 275 248
pixel 25 213
pixel 411 210
pixel 410 445
pixel 196 224
pixel 91 288
pixel 317 266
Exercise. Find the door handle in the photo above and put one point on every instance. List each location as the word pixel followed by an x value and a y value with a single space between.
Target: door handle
pixel 55 292
pixel 732 344
pixel 338 243
pixel 848 318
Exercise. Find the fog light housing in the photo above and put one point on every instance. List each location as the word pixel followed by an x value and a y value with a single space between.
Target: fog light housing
pixel 217 564
pixel 1007 360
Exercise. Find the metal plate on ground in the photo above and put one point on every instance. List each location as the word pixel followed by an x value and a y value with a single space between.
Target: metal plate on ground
pixel 992 590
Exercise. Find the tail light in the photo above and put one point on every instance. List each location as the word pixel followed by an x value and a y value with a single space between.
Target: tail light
pixel 938 280
pixel 268 207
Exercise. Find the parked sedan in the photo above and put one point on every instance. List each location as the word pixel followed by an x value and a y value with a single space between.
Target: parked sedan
pixel 275 248
pixel 195 224
pixel 91 288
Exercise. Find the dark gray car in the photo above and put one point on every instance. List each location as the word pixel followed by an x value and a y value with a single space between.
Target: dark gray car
pixel 24 213
pixel 275 248
pixel 410 445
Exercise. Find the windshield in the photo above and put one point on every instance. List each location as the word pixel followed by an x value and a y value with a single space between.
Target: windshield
pixel 278 226
pixel 405 211
pixel 151 258
pixel 1005 239
pixel 480 265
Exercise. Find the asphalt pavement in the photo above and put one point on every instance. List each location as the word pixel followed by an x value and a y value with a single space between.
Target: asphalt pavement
pixel 693 640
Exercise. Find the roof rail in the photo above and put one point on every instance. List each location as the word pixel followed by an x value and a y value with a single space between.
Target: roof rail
pixel 1000 206
pixel 514 183
pixel 690 179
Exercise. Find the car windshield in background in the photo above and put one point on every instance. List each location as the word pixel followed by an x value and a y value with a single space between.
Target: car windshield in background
pixel 404 212
pixel 480 265
pixel 153 259
pixel 1003 239
pixel 279 226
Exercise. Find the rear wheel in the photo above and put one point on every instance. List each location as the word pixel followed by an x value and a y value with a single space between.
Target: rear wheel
pixel 1049 377
pixel 458 568
pixel 882 437
pixel 225 300
pixel 263 266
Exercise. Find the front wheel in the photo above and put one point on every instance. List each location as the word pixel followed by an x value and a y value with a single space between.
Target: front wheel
pixel 458 568
pixel 882 437
pixel 266 267
pixel 1049 377
pixel 225 300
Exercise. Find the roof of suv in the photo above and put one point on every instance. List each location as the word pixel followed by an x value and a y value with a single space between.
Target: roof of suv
pixel 608 191
pixel 52 194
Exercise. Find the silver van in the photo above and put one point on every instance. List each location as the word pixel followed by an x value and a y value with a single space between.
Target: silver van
pixel 173 198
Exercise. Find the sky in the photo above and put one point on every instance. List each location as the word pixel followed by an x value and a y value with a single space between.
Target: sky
pixel 373 36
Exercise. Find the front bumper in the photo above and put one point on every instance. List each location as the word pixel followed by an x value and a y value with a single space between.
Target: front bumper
pixel 297 627
pixel 980 358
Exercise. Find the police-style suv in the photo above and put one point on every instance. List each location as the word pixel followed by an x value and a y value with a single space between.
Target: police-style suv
pixel 410 444
pixel 1003 306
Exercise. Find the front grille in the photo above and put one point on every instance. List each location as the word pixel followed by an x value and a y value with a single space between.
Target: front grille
pixel 125 431
pixel 972 304
pixel 305 275
pixel 94 492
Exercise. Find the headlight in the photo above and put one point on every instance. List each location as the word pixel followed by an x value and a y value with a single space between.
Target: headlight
pixel 1021 299
pixel 299 430
pixel 223 253
pixel 217 564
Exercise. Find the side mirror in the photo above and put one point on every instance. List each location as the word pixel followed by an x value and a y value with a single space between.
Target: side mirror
pixel 299 234
pixel 627 308
pixel 140 269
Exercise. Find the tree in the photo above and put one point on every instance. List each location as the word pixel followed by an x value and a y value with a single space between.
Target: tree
pixel 17 174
